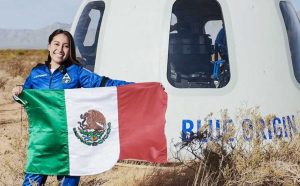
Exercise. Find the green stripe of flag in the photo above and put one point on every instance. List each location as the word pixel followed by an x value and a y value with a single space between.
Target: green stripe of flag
pixel 49 121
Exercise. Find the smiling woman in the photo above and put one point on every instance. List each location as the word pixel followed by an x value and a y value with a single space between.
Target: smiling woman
pixel 58 50
pixel 61 71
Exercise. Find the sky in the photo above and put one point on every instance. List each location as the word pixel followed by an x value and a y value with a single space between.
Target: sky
pixel 296 4
pixel 34 14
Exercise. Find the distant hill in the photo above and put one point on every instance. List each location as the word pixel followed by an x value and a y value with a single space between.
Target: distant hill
pixel 27 38
pixel 298 14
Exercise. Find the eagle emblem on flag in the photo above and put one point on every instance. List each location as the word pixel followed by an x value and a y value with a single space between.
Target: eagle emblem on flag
pixel 93 128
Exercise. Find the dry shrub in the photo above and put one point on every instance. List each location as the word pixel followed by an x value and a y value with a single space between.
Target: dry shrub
pixel 172 177
pixel 272 164
pixel 18 69
pixel 3 82
pixel 20 62
pixel 276 163
pixel 238 162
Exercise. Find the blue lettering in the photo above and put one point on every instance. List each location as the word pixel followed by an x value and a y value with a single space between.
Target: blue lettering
pixel 263 126
pixel 247 129
pixel 279 132
pixel 284 127
pixel 202 136
pixel 210 131
pixel 187 130
pixel 198 125
pixel 218 133
pixel 292 125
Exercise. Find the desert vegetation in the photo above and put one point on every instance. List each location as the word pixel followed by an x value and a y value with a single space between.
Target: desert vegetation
pixel 222 162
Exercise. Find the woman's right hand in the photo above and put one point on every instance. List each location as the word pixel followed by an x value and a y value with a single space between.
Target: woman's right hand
pixel 16 91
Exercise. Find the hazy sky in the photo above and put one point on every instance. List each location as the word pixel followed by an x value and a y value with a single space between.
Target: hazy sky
pixel 33 14
pixel 296 4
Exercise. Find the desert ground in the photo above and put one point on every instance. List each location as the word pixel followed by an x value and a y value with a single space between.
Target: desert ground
pixel 215 164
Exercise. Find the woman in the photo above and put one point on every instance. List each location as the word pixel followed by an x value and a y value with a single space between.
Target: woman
pixel 61 71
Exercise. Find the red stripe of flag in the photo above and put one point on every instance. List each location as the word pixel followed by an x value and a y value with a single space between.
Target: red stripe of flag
pixel 142 108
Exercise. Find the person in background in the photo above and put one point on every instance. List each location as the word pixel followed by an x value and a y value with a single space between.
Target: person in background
pixel 221 74
pixel 221 45
pixel 61 71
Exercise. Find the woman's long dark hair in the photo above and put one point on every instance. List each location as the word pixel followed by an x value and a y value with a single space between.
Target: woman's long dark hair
pixel 72 56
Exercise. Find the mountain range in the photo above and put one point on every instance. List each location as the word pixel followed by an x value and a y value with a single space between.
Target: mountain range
pixel 27 38
pixel 37 39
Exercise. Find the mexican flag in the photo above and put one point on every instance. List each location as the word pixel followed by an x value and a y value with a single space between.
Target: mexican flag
pixel 86 131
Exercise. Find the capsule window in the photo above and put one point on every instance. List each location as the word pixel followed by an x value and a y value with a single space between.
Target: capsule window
pixel 87 33
pixel 292 24
pixel 198 55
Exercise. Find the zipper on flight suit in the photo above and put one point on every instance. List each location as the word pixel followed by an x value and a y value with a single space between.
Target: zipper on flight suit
pixel 51 77
pixel 62 69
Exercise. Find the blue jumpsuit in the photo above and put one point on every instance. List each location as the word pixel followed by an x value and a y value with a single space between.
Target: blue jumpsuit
pixel 65 77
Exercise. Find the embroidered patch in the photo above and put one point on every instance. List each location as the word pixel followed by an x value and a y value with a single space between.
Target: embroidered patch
pixel 66 78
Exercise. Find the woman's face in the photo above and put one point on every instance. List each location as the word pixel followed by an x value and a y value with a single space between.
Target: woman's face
pixel 59 48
